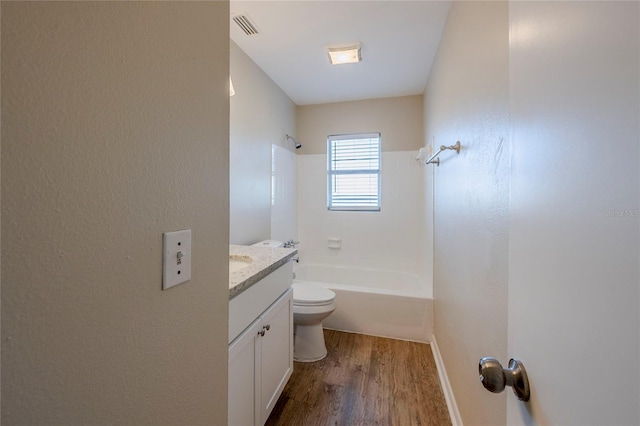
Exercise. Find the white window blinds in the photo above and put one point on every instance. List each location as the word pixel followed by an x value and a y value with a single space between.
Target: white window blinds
pixel 353 172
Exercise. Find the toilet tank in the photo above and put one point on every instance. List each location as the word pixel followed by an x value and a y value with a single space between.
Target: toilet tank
pixel 269 243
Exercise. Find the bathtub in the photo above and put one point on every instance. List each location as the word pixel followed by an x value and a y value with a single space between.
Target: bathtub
pixel 377 302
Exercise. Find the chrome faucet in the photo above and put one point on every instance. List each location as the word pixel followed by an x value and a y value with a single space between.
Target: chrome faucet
pixel 291 244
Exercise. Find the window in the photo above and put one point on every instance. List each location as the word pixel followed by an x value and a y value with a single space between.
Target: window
pixel 353 172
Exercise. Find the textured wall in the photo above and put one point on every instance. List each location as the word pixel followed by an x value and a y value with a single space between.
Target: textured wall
pixel 115 124
pixel 467 100
pixel 261 115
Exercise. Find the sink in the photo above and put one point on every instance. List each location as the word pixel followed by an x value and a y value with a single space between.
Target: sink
pixel 238 262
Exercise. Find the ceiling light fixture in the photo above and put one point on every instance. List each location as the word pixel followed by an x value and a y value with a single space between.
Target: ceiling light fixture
pixel 344 53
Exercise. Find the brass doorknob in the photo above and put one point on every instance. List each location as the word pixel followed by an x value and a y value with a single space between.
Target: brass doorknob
pixel 494 378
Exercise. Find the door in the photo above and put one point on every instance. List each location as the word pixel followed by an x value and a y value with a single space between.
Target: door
pixel 573 253
pixel 277 352
pixel 242 375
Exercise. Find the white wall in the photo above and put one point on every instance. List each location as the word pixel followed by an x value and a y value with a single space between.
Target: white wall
pixel 392 238
pixel 261 115
pixel 550 217
pixel 466 99
pixel 395 237
pixel 115 125
pixel 284 194
pixel 574 225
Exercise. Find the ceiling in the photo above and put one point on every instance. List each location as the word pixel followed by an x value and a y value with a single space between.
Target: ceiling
pixel 399 42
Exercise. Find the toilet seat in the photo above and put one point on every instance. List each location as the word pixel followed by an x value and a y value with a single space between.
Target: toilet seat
pixel 312 295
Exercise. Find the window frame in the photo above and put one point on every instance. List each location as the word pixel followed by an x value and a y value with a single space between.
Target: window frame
pixel 331 172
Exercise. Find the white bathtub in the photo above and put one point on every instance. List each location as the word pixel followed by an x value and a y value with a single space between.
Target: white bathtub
pixel 377 302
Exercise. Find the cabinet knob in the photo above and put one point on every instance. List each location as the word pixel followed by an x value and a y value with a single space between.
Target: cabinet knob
pixel 261 332
pixel 267 327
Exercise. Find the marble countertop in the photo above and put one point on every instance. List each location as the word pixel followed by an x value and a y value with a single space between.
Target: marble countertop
pixel 264 261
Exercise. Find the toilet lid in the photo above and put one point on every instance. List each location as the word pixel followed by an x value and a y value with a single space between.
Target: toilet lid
pixel 310 294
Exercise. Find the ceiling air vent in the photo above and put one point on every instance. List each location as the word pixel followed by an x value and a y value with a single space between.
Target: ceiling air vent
pixel 244 22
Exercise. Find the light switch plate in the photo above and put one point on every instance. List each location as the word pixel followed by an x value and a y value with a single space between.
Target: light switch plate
pixel 176 263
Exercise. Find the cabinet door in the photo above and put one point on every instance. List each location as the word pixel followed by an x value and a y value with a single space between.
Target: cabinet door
pixel 277 352
pixel 243 352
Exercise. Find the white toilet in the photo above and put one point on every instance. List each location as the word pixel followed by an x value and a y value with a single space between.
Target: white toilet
pixel 311 304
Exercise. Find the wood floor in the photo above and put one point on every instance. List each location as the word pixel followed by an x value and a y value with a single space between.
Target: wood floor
pixel 364 380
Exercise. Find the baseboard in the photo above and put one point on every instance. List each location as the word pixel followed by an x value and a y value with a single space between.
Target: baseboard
pixel 456 420
pixel 377 335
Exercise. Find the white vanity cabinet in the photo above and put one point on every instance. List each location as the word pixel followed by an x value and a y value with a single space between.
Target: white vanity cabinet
pixel 243 371
pixel 261 355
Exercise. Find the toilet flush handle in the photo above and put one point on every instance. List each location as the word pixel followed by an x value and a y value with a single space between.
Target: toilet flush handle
pixel 494 378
